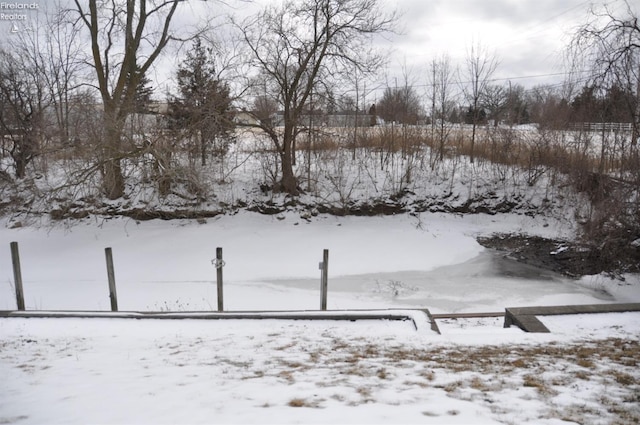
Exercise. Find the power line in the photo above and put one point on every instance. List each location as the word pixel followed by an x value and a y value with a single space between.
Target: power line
pixel 522 77
pixel 537 28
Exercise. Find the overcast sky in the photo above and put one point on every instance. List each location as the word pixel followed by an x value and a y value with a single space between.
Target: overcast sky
pixel 528 37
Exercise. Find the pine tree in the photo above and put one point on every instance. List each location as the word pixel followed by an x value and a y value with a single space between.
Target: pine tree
pixel 142 97
pixel 203 104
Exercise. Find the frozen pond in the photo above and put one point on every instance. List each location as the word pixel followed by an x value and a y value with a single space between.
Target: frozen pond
pixel 272 264
pixel 486 283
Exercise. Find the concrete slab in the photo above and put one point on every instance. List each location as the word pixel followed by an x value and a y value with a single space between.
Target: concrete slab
pixel 525 317
pixel 419 318
pixel 526 322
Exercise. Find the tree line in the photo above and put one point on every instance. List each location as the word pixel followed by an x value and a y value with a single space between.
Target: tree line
pixel 292 60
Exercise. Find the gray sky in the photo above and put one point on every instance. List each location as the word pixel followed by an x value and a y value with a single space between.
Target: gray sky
pixel 528 37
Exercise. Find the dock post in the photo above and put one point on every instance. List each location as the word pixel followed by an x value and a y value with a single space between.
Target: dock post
pixel 17 275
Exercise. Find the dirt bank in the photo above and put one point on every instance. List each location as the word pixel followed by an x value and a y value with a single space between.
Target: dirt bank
pixel 566 257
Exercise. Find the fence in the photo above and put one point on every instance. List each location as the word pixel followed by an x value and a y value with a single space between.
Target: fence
pixel 602 126
pixel 217 262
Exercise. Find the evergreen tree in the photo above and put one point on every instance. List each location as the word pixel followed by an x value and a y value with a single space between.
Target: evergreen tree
pixel 203 104
pixel 586 107
pixel 142 96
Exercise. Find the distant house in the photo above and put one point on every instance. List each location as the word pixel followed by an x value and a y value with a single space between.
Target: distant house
pixel 336 120
pixel 245 118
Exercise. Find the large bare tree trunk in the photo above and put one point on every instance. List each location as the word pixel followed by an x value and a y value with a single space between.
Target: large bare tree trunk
pixel 113 178
pixel 289 182
pixel 117 70
pixel 24 151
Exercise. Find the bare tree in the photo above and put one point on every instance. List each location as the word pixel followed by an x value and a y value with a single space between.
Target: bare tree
pixel 400 105
pixel 480 66
pixel 126 39
pixel 57 51
pixel 264 109
pixel 441 102
pixel 548 108
pixel 610 46
pixel 495 99
pixel 50 53
pixel 22 104
pixel 517 108
pixel 302 42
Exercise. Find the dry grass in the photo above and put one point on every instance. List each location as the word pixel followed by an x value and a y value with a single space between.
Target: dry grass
pixel 321 141
pixel 586 363
pixel 297 402
pixel 481 372
pixel 519 364
pixel 478 384
pixel 498 145
pixel 535 381
pixel 393 139
pixel 287 375
pixel 382 373
pixel 598 379
pixel 624 378
pixel 429 375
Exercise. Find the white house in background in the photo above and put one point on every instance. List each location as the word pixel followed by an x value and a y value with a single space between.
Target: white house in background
pixel 245 118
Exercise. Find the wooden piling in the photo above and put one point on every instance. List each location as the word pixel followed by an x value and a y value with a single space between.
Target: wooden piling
pixel 324 267
pixel 112 279
pixel 17 275
pixel 219 263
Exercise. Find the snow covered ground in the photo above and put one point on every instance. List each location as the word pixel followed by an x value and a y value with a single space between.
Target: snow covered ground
pixel 82 371
pixel 76 370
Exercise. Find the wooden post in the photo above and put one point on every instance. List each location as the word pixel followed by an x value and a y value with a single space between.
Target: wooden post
pixel 112 279
pixel 17 275
pixel 324 267
pixel 219 263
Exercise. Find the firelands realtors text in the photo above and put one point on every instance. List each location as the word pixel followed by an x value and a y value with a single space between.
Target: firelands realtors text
pixel 14 9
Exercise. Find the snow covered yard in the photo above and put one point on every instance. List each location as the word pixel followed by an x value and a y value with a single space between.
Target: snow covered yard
pixel 75 370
